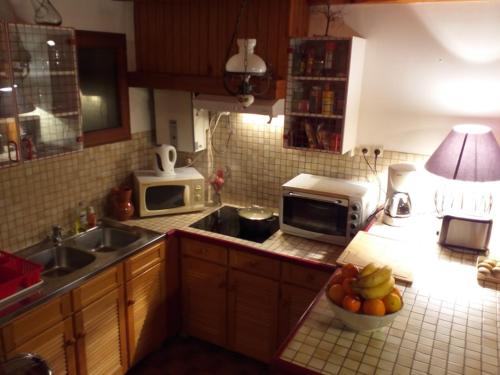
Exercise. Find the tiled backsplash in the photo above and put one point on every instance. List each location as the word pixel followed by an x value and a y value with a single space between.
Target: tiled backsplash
pixel 260 165
pixel 36 195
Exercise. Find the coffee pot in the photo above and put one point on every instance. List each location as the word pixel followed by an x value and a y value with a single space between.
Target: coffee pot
pixel 398 207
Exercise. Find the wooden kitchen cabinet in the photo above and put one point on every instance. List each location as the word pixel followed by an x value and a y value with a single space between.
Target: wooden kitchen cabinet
pixel 323 93
pixel 252 315
pixel 55 345
pixel 181 45
pixel 33 323
pixel 204 300
pixel 101 336
pixel 39 101
pixel 293 303
pixel 146 312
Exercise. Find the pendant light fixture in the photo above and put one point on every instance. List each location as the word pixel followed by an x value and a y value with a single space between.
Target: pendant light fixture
pixel 245 74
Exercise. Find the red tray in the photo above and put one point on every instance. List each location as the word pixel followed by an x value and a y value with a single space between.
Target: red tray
pixel 16 273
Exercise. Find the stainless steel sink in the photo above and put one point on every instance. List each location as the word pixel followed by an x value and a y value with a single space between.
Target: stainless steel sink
pixel 105 239
pixel 61 261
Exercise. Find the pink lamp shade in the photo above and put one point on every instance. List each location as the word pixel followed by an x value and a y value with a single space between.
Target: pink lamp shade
pixel 468 153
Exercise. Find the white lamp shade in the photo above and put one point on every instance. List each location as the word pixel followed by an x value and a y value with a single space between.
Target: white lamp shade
pixel 246 61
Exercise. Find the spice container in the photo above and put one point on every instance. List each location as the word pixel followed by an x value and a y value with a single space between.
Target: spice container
pixel 299 62
pixel 315 99
pixel 329 50
pixel 298 96
pixel 309 62
pixel 327 100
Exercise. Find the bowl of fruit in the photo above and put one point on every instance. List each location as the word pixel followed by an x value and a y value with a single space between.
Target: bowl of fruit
pixel 364 300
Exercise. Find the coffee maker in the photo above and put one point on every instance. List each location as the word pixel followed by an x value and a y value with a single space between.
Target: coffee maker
pixel 397 209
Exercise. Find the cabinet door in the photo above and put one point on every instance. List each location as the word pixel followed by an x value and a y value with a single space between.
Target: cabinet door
pixel 56 345
pixel 252 315
pixel 146 315
pixel 100 333
pixel 294 302
pixel 204 300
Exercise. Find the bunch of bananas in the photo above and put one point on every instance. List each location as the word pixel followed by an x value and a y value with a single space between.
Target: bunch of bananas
pixel 374 281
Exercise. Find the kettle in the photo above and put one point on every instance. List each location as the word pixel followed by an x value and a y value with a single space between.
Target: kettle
pixel 397 208
pixel 165 157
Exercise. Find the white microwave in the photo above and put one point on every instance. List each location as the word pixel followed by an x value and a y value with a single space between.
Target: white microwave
pixel 162 195
pixel 324 208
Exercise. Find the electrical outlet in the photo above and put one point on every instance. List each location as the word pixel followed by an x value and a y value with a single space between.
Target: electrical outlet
pixel 370 150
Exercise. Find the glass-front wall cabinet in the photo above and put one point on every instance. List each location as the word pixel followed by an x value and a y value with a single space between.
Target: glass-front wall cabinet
pixel 323 91
pixel 39 100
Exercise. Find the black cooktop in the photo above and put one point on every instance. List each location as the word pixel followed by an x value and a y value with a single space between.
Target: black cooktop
pixel 226 221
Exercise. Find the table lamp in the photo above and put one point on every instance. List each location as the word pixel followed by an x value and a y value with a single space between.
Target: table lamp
pixel 468 153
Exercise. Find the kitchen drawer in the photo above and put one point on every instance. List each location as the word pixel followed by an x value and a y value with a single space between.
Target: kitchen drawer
pixel 304 276
pixel 35 321
pixel 255 264
pixel 144 260
pixel 97 287
pixel 203 250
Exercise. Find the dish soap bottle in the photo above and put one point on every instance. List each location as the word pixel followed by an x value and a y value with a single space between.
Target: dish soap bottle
pixel 81 218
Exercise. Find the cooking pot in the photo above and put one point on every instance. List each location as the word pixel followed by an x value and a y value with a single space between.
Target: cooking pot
pixel 256 219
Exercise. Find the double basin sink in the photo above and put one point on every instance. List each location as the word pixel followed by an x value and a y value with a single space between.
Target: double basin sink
pixel 93 249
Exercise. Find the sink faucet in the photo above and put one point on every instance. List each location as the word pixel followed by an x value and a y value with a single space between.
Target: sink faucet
pixel 56 236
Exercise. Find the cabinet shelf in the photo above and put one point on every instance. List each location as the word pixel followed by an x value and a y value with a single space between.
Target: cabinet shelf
pixel 316 78
pixel 40 74
pixel 29 116
pixel 316 115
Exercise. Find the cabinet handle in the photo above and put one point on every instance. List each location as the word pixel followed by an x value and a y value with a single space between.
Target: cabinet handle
pixel 81 335
pixel 130 302
pixel 70 342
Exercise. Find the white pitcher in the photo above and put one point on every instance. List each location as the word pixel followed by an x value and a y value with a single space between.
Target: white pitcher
pixel 164 160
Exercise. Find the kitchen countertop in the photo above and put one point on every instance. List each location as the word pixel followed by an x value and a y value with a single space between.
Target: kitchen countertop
pixel 450 323
pixel 279 243
pixel 52 287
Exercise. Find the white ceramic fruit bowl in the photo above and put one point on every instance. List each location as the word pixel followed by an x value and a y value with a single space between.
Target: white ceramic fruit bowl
pixel 362 322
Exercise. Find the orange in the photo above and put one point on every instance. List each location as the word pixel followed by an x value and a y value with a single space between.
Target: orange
pixel 397 291
pixel 336 293
pixel 392 303
pixel 337 277
pixel 347 285
pixel 351 303
pixel 350 270
pixel 374 307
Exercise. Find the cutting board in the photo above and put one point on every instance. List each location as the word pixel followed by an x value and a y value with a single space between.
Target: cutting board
pixel 366 248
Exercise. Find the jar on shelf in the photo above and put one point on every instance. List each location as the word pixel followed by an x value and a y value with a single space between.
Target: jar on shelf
pixel 315 99
pixel 310 61
pixel 297 96
pixel 299 61
pixel 329 51
pixel 327 100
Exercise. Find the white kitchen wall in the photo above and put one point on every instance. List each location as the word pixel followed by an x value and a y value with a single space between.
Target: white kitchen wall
pixel 428 67
pixel 99 15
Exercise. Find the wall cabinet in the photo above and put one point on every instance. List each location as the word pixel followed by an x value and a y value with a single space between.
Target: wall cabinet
pixel 39 100
pixel 323 93
pixel 181 45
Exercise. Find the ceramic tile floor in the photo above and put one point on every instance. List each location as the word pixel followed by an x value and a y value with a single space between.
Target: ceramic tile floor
pixel 189 356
